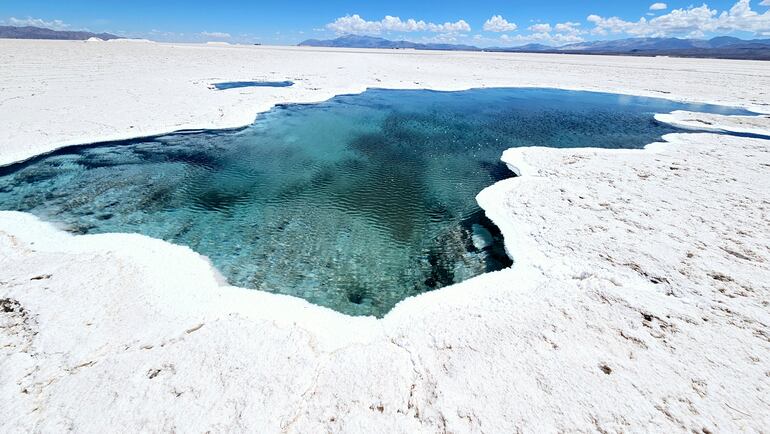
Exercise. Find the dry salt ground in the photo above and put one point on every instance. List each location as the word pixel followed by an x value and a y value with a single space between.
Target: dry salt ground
pixel 638 301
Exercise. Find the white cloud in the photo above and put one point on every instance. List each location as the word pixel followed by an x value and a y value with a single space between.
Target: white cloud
pixel 568 27
pixel 540 28
pixel 558 34
pixel 499 24
pixel 660 6
pixel 742 18
pixel 38 22
pixel 692 22
pixel 765 2
pixel 217 35
pixel 357 25
pixel 546 38
pixel 545 33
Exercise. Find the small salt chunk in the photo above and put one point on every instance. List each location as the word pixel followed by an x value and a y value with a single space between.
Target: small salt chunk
pixel 481 237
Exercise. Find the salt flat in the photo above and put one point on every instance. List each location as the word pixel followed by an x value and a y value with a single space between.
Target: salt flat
pixel 56 93
pixel 638 301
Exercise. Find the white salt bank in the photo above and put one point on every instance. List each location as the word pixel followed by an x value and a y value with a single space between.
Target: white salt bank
pixel 638 300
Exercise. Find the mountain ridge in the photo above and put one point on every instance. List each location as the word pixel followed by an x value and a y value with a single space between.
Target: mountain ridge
pixel 32 32
pixel 726 47
pixel 356 41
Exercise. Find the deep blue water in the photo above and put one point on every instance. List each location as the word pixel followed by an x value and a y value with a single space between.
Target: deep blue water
pixel 237 84
pixel 355 203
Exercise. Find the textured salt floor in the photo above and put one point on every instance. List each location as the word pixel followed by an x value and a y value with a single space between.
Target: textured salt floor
pixel 638 302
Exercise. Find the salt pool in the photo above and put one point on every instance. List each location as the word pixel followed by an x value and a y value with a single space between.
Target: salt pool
pixel 354 203
pixel 239 84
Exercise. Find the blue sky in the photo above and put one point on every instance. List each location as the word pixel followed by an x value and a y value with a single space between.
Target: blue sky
pixel 482 23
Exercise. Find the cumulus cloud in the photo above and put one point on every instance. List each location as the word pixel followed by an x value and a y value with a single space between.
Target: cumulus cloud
pixel 499 24
pixel 692 22
pixel 660 6
pixel 545 38
pixel 558 34
pixel 217 35
pixel 568 27
pixel 545 33
pixel 38 22
pixel 540 28
pixel 356 25
pixel 742 18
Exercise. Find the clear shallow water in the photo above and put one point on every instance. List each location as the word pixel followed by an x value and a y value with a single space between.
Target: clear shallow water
pixel 238 84
pixel 355 203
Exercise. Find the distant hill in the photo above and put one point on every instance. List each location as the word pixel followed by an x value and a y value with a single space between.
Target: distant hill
pixel 355 41
pixel 665 44
pixel 724 47
pixel 626 45
pixel 29 32
pixel 529 48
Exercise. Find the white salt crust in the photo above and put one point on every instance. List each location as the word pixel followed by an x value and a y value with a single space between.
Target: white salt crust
pixel 638 300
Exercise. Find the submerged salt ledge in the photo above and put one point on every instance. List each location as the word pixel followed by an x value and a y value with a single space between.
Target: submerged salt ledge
pixel 583 340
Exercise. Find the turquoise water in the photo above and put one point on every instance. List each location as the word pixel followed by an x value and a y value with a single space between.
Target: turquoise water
pixel 355 203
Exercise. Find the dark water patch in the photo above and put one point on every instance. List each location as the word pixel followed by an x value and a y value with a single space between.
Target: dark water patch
pixel 354 203
pixel 745 135
pixel 497 170
pixel 484 236
pixel 239 84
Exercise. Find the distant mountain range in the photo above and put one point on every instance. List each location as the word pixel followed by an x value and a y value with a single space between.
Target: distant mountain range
pixel 29 32
pixel 725 47
pixel 643 44
pixel 355 41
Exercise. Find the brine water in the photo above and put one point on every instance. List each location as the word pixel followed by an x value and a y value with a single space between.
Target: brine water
pixel 354 203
